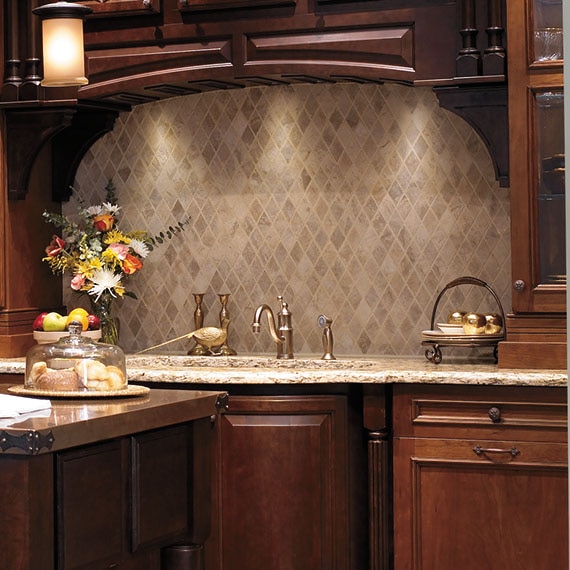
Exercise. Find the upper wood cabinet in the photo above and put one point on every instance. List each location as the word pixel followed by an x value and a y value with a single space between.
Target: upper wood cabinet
pixel 121 7
pixel 536 331
pixel 230 4
pixel 141 51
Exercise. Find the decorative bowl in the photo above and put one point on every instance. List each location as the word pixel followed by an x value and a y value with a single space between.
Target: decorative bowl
pixel 45 337
pixel 450 328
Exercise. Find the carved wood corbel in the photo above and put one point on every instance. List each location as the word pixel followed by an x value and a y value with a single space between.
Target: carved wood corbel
pixel 72 129
pixel 71 144
pixel 27 131
pixel 485 109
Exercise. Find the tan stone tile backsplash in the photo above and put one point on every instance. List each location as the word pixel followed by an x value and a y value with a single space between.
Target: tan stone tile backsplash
pixel 360 202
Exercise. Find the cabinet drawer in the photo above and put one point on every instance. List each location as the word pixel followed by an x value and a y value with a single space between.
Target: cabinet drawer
pixel 456 508
pixel 531 414
pixel 485 453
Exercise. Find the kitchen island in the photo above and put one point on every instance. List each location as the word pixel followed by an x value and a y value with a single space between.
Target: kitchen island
pixel 355 463
pixel 106 483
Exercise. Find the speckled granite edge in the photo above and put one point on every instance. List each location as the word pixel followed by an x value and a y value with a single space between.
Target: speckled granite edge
pixel 163 369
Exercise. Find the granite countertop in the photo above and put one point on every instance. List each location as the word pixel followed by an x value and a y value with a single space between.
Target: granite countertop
pixel 169 369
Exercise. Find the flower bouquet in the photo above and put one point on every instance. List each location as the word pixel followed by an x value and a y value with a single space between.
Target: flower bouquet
pixel 100 256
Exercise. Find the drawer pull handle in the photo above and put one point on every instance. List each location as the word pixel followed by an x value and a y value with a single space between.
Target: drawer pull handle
pixel 482 450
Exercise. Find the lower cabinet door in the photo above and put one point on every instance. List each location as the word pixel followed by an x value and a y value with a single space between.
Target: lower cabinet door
pixel 283 484
pixel 160 487
pixel 120 501
pixel 91 506
pixel 474 505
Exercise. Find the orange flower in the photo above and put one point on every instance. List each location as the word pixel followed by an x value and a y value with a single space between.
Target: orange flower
pixel 131 264
pixel 103 222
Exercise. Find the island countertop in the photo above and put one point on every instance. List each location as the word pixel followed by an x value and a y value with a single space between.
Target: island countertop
pixel 73 422
pixel 196 370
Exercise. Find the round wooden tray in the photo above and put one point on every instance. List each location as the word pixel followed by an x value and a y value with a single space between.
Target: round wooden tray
pixel 128 392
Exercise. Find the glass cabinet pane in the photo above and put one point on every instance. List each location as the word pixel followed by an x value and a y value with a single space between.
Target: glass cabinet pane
pixel 547 30
pixel 551 186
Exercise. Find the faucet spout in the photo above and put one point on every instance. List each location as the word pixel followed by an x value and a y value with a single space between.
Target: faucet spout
pixel 256 325
pixel 283 333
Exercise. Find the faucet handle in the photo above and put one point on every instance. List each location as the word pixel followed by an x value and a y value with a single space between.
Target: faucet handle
pixel 284 310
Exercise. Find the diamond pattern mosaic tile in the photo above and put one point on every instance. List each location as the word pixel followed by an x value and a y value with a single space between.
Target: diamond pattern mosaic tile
pixel 360 202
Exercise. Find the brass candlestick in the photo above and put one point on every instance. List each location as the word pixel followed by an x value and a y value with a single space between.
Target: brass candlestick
pixel 198 349
pixel 225 350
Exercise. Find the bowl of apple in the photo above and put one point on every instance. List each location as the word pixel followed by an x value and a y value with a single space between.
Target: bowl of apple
pixel 49 327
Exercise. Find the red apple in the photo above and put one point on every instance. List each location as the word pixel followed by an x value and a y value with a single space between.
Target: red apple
pixel 94 323
pixel 39 322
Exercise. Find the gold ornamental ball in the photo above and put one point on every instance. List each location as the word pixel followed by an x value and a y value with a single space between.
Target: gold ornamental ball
pixel 456 318
pixel 493 324
pixel 474 323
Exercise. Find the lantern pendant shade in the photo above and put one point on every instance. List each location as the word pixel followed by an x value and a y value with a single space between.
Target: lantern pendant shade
pixel 62 39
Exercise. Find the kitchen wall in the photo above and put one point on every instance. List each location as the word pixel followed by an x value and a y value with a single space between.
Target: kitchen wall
pixel 358 201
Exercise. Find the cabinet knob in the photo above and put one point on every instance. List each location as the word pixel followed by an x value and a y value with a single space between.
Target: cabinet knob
pixel 495 414
pixel 519 285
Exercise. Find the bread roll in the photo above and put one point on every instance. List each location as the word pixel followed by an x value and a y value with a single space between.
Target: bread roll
pixel 89 370
pixel 116 379
pixel 65 380
pixel 37 370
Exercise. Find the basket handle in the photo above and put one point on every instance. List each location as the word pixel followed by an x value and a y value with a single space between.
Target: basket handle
pixel 466 280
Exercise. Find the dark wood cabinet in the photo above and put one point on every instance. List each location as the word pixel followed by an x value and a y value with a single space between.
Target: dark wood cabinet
pixel 91 507
pixel 197 5
pixel 118 498
pixel 536 329
pixel 290 484
pixel 89 487
pixel 141 51
pixel 110 8
pixel 480 478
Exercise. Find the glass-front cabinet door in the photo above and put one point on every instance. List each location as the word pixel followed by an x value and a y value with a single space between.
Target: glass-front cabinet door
pixel 547 24
pixel 537 157
pixel 536 327
pixel 550 185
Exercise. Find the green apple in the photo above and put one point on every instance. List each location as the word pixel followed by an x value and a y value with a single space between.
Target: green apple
pixel 54 322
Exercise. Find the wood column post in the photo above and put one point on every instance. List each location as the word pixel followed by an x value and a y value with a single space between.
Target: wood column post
pixel 468 61
pixel 494 56
pixel 380 524
pixel 12 64
pixel 32 63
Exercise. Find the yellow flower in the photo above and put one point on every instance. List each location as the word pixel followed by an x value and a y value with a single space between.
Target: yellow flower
pixel 116 236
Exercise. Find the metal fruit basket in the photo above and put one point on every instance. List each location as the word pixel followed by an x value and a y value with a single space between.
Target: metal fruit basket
pixel 434 339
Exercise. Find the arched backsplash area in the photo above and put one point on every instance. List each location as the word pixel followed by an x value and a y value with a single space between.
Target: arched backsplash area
pixel 358 201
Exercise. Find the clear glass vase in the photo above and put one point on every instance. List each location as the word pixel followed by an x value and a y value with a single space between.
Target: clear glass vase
pixel 102 308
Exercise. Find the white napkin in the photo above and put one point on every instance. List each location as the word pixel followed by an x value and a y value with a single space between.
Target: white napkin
pixel 14 406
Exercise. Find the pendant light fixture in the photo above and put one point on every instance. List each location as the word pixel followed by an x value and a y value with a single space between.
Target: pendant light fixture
pixel 62 39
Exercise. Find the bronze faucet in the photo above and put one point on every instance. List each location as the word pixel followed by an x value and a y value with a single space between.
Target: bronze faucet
pixel 284 339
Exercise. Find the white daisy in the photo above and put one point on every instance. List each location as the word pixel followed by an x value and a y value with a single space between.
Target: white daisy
pixel 139 247
pixel 94 210
pixel 108 208
pixel 104 280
